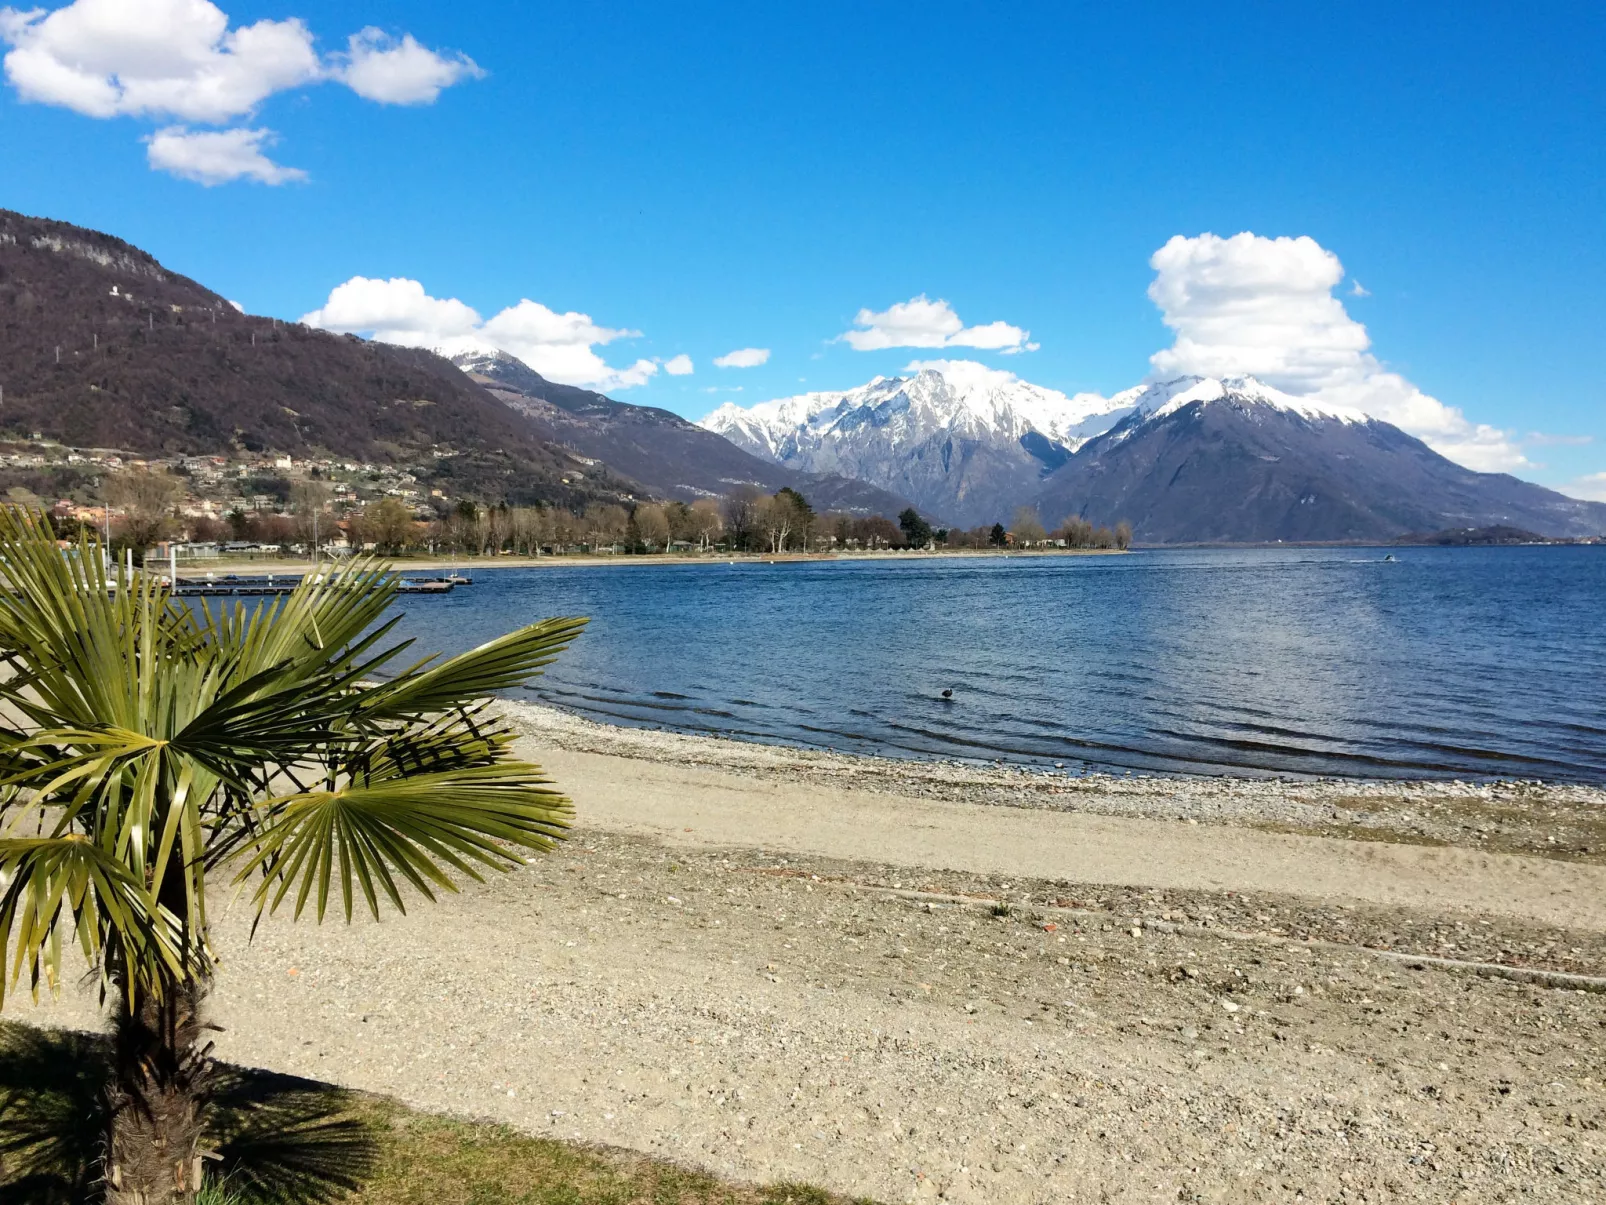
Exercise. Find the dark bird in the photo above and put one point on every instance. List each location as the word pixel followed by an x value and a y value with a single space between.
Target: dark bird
pixel 948 694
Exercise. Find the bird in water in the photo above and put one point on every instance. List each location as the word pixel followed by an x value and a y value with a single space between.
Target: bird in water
pixel 948 695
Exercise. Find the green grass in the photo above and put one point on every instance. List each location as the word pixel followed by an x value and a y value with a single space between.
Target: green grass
pixel 286 1141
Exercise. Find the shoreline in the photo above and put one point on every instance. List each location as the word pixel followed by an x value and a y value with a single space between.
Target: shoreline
pixel 430 563
pixel 470 565
pixel 921 982
pixel 1556 821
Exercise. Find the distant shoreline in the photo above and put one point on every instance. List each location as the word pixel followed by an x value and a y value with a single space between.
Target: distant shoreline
pixel 471 565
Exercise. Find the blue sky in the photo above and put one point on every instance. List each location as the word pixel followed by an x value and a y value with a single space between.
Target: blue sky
pixel 721 176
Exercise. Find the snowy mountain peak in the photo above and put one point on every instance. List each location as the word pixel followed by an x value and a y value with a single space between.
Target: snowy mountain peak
pixel 1167 397
pixel 954 436
pixel 956 396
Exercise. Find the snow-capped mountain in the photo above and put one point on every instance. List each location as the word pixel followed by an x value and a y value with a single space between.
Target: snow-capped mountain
pixel 660 451
pixel 1234 460
pixel 1196 459
pixel 961 440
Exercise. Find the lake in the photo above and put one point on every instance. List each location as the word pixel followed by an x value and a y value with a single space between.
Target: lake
pixel 1447 662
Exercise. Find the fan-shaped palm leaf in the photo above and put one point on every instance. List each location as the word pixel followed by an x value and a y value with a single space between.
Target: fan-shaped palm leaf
pixel 147 744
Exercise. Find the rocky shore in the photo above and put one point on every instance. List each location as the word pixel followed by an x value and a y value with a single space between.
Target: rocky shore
pixel 923 982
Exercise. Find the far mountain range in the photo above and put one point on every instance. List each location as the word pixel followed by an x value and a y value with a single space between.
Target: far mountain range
pixel 1192 460
pixel 101 346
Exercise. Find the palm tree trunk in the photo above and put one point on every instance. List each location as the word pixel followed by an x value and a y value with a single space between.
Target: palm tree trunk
pixel 154 1098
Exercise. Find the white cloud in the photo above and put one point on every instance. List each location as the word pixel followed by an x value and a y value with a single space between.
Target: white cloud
pixel 108 58
pixel 679 366
pixel 1589 488
pixel 743 357
pixel 921 322
pixel 217 156
pixel 1357 289
pixel 561 347
pixel 179 59
pixel 397 311
pixel 378 67
pixel 1265 307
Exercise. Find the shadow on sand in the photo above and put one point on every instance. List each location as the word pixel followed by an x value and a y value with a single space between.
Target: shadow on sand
pixel 276 1138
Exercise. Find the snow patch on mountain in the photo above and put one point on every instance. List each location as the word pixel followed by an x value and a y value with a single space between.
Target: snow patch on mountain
pixel 1143 403
pixel 955 397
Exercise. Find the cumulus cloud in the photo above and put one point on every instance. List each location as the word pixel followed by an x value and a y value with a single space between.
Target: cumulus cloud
pixel 679 366
pixel 175 58
pixel 921 322
pixel 561 347
pixel 378 67
pixel 397 311
pixel 1265 306
pixel 179 59
pixel 743 357
pixel 217 156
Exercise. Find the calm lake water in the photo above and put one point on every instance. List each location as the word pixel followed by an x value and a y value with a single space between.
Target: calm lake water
pixel 1447 662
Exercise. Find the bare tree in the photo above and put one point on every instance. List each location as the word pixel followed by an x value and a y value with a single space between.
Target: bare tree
pixel 1123 535
pixel 706 523
pixel 309 499
pixel 652 525
pixel 876 531
pixel 742 507
pixel 143 504
pixel 388 525
pixel 1027 528
pixel 609 523
pixel 1076 531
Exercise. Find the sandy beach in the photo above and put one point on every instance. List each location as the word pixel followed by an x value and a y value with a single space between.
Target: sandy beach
pixel 924 981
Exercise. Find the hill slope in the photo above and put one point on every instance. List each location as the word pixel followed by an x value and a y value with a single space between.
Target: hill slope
pixel 1202 460
pixel 101 346
pixel 665 453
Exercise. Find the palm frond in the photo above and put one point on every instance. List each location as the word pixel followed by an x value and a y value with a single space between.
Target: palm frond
pixel 411 826
pixel 53 883
pixel 148 743
pixel 497 665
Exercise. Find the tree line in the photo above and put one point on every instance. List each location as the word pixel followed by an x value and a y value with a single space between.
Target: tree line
pixel 747 519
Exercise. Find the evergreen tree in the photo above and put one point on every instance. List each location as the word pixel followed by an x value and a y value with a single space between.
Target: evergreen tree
pixel 916 531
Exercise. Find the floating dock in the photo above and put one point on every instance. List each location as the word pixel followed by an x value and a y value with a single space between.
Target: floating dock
pixel 283 583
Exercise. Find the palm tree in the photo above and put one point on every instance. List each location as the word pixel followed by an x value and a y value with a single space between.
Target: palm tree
pixel 148 748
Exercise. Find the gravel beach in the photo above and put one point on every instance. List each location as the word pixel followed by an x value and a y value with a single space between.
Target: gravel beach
pixel 922 981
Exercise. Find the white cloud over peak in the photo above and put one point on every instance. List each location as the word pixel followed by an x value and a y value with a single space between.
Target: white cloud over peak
pixel 679 366
pixel 743 357
pixel 179 59
pixel 561 347
pixel 1265 307
pixel 217 156
pixel 379 67
pixel 921 322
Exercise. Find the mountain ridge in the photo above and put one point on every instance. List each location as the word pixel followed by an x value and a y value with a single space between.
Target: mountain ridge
pixel 1231 460
pixel 657 448
pixel 1344 476
pixel 961 440
pixel 103 346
